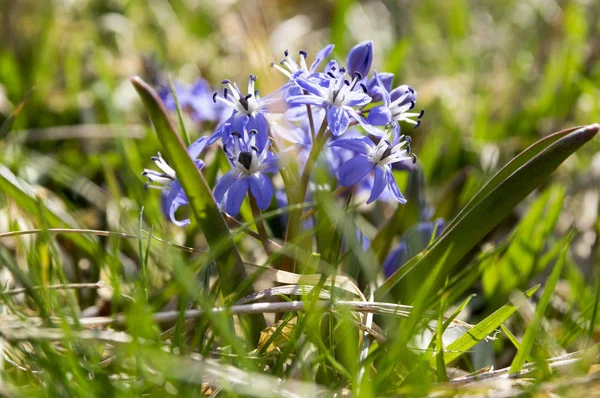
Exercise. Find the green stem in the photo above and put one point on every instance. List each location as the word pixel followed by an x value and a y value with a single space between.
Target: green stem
pixel 260 225
pixel 299 196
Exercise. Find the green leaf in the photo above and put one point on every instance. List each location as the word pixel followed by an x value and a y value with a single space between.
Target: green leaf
pixel 494 202
pixel 229 263
pixel 8 122
pixel 512 166
pixel 482 330
pixel 532 330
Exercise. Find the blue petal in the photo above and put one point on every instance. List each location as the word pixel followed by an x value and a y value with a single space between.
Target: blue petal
pixel 259 123
pixel 396 259
pixel 310 86
pixel 224 184
pixel 262 190
pixel 338 120
pixel 360 99
pixel 173 200
pixel 354 170
pixel 379 87
pixel 197 147
pixel 379 184
pixel 387 79
pixel 219 132
pixel 360 58
pixel 239 125
pixel 332 66
pixel 360 145
pixel 271 163
pixel 235 196
pixel 321 55
pixel 394 188
pixel 352 112
pixel 379 116
pixel 400 91
pixel 306 100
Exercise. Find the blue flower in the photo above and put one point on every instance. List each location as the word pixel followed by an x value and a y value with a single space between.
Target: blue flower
pixel 173 195
pixel 195 99
pixel 415 240
pixel 360 58
pixel 378 158
pixel 248 112
pixel 250 161
pixel 396 106
pixel 376 90
pixel 337 96
pixel 289 67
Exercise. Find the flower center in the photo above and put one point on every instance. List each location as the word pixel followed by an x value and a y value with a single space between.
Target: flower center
pixel 245 158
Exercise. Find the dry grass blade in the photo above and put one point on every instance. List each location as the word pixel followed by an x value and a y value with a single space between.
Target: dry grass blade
pixel 290 290
pixel 290 278
pixel 563 360
pixel 197 370
pixel 67 286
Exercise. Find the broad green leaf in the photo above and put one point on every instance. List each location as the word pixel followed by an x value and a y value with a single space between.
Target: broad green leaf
pixel 540 311
pixel 512 166
pixel 230 266
pixel 494 202
pixel 481 330
pixel 8 122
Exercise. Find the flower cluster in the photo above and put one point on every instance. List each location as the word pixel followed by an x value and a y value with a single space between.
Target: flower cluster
pixel 345 118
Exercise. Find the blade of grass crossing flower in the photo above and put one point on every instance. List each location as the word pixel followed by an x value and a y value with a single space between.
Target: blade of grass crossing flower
pixel 184 133
pixel 480 218
pixel 482 330
pixel 532 330
pixel 202 203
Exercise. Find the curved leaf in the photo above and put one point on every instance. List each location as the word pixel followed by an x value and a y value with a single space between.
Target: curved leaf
pixel 494 202
pixel 231 268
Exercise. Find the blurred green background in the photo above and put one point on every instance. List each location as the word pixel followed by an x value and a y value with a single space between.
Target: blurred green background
pixel 493 76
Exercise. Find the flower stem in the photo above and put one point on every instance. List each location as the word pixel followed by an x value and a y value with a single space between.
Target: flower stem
pixel 260 225
pixel 293 227
pixel 338 191
pixel 311 121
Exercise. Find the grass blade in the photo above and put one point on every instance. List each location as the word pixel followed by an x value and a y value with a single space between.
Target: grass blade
pixel 8 122
pixel 481 330
pixel 532 329
pixel 24 197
